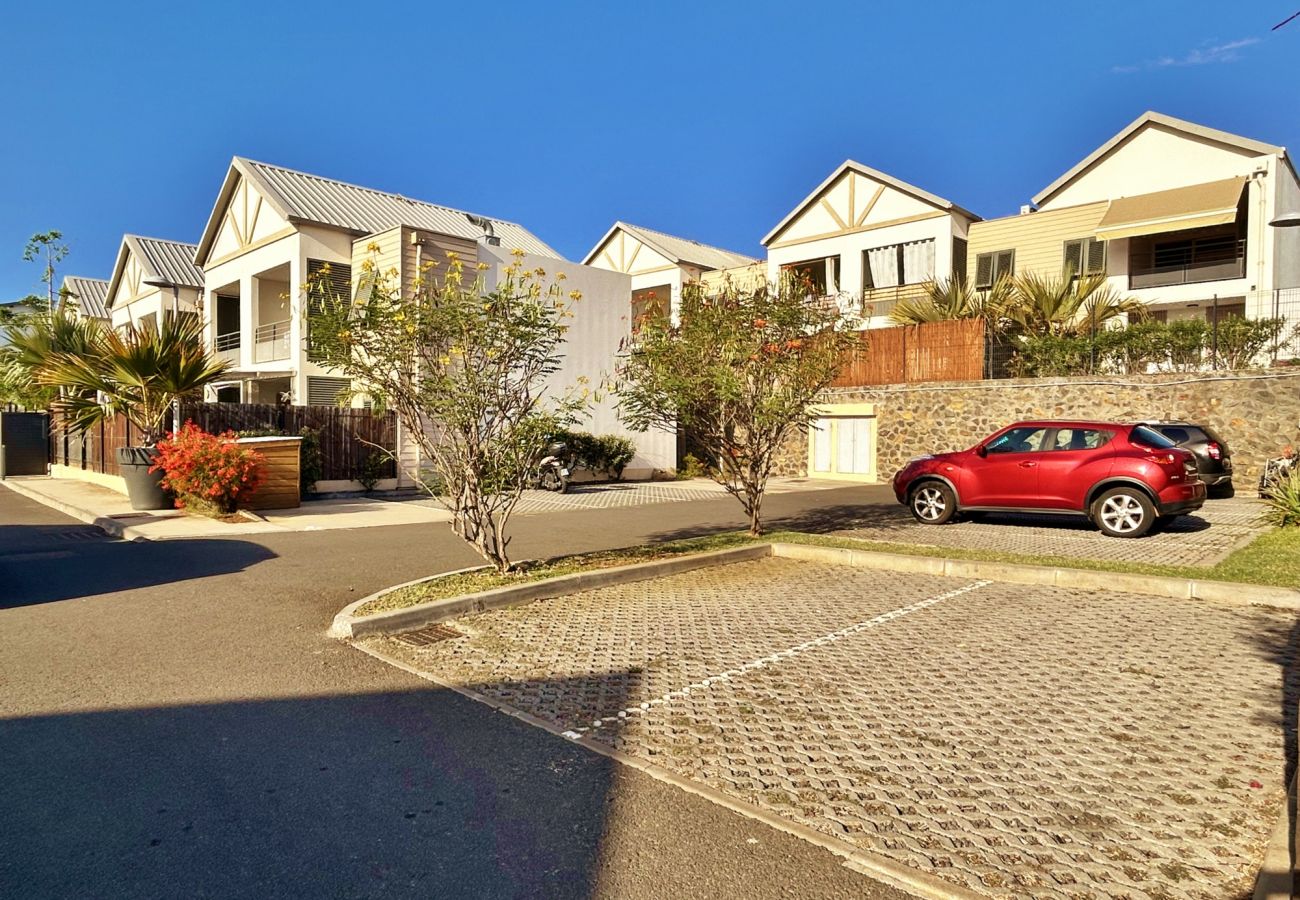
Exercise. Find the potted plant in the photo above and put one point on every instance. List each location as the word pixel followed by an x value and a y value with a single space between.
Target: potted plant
pixel 139 373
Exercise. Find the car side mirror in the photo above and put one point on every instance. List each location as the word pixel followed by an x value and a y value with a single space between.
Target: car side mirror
pixel 981 451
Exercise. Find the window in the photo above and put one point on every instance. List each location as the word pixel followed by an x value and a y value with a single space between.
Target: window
pixel 820 277
pixel 1028 439
pixel 992 267
pixel 1147 437
pixel 228 393
pixel 1081 438
pixel 898 264
pixel 1085 256
pixel 334 284
pixel 1218 313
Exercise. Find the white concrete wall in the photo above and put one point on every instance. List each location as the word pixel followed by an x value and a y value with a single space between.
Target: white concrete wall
pixel 599 325
pixel 153 300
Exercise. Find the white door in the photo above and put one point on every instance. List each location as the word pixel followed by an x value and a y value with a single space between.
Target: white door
pixel 853 456
pixel 821 438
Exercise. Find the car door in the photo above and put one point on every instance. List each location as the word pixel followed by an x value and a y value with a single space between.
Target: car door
pixel 1006 473
pixel 1077 458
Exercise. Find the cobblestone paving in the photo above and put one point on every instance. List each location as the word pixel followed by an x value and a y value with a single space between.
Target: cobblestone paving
pixel 1019 741
pixel 1201 539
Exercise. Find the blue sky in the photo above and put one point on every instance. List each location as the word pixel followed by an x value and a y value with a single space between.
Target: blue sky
pixel 707 120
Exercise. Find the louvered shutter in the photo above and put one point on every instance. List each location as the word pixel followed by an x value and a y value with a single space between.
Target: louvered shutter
pixel 325 391
pixel 1006 264
pixel 334 284
pixel 1096 257
pixel 1073 258
pixel 984 270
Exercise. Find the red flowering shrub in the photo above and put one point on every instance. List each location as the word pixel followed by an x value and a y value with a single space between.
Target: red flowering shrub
pixel 207 471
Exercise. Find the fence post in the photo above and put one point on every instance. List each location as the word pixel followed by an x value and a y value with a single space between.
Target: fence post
pixel 1214 339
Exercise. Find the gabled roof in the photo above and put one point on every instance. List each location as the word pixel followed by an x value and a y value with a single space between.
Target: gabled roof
pixel 90 295
pixel 166 263
pixel 300 197
pixel 877 175
pixel 678 249
pixel 1151 117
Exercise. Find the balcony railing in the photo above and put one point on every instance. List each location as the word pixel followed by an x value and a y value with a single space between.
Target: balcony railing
pixel 226 346
pixel 1187 273
pixel 271 342
pixel 880 302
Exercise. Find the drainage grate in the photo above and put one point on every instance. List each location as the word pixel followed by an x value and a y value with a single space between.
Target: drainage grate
pixel 429 635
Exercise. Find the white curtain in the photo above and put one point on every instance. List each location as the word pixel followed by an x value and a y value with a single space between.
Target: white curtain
pixel 918 262
pixel 884 266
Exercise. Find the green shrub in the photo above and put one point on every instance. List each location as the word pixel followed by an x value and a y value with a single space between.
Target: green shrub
pixel 1283 508
pixel 692 467
pixel 603 455
pixel 1239 341
pixel 615 453
pixel 311 464
pixel 372 470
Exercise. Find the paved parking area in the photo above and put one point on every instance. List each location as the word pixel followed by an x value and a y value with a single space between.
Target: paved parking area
pixel 1201 539
pixel 1017 741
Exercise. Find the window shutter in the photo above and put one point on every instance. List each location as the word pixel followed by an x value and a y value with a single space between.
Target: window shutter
pixel 984 270
pixel 1073 258
pixel 325 391
pixel 336 284
pixel 1096 257
pixel 1006 265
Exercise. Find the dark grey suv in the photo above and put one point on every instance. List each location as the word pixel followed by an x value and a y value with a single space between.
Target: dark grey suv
pixel 1213 459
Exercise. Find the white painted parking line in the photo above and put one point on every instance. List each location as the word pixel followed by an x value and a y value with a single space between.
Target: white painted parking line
pixel 770 659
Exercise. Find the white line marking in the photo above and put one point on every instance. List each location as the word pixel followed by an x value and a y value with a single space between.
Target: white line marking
pixel 763 662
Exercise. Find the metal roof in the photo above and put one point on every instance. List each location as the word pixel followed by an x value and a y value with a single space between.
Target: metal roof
pixel 166 262
pixel 89 294
pixel 678 249
pixel 302 197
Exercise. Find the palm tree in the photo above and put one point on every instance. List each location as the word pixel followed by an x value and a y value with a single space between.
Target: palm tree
pixel 1066 305
pixel 138 373
pixel 30 341
pixel 953 298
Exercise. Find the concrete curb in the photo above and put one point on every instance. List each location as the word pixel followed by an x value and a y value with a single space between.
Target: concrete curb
pixel 346 625
pixel 111 527
pixel 1052 576
pixel 1276 877
pixel 895 874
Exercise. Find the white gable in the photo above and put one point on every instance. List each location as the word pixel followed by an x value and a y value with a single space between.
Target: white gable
pixel 247 219
pixel 853 202
pixel 624 253
pixel 131 282
pixel 1155 158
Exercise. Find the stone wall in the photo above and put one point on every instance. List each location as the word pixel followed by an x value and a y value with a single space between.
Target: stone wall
pixel 1257 413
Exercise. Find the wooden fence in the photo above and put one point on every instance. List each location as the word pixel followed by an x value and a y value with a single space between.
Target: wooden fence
pixel 347 436
pixel 936 351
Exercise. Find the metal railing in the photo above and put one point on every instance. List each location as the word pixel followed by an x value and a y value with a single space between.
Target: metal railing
pixel 1187 273
pixel 226 346
pixel 271 341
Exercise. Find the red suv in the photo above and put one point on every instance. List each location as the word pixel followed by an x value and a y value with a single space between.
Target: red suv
pixel 1124 478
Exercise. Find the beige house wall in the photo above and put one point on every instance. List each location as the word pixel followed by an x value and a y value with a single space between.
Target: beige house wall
pixel 1038 239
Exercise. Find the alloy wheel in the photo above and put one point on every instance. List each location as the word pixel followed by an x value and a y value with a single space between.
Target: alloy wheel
pixel 1122 513
pixel 929 503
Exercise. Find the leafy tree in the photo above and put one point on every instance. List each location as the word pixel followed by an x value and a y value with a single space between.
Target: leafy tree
pixel 138 372
pixel 32 340
pixel 467 371
pixel 738 372
pixel 49 248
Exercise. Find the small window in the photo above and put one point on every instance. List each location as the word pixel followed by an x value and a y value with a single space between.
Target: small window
pixel 1147 437
pixel 1028 439
pixel 898 264
pixel 1085 256
pixel 1081 438
pixel 992 267
pixel 323 391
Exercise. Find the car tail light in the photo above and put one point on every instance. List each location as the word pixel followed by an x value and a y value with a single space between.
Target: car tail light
pixel 1214 450
pixel 1165 459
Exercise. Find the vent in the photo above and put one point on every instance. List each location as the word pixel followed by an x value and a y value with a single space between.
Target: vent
pixel 431 634
pixel 325 391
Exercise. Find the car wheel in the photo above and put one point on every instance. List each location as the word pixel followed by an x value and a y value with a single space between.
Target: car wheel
pixel 1124 512
pixel 933 503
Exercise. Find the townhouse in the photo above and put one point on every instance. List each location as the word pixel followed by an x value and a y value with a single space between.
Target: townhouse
pixel 1173 213
pixel 152 279
pixel 88 297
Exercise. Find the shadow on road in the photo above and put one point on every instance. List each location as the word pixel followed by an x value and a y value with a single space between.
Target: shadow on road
pixel 45 563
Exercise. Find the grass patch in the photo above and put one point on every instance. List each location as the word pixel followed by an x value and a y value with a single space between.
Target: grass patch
pixel 1271 559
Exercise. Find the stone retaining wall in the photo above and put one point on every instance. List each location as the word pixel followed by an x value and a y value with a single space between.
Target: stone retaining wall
pixel 1257 413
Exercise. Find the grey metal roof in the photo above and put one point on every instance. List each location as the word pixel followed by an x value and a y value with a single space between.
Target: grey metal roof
pixel 679 249
pixel 166 262
pixel 89 294
pixel 311 198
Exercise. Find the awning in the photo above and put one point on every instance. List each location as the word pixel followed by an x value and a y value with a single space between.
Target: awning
pixel 1197 206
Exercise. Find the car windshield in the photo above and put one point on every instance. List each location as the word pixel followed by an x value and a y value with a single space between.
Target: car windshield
pixel 1148 437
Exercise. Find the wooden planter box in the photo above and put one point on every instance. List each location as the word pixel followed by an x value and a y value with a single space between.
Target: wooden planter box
pixel 280 481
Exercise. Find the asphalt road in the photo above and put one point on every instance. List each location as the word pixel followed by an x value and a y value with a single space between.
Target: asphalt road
pixel 173 722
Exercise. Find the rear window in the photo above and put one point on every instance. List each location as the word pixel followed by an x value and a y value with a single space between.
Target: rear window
pixel 1149 437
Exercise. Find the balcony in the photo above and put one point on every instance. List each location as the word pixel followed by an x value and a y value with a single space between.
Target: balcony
pixel 226 346
pixel 877 302
pixel 1207 255
pixel 271 342
pixel 1187 273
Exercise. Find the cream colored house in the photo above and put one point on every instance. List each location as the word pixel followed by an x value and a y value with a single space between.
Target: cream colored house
pixel 1174 213
pixel 87 296
pixel 152 279
pixel 271 229
pixel 659 264
pixel 869 240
